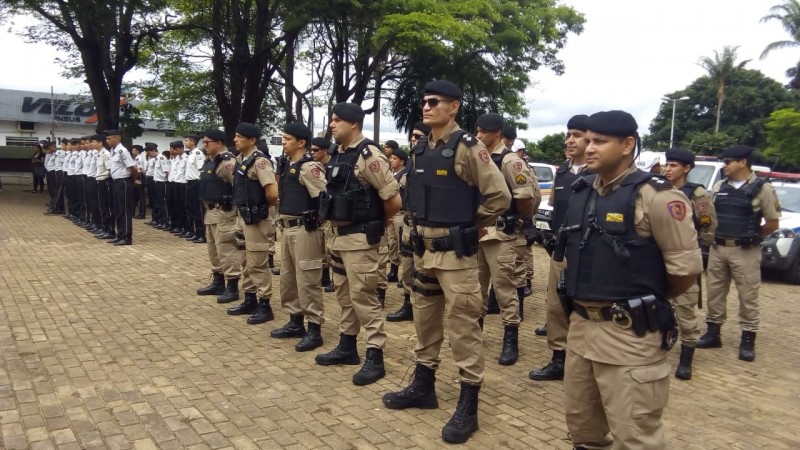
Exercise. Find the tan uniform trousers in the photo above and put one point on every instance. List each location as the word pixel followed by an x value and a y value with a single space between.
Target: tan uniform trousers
pixel 327 234
pixel 383 261
pixel 521 262
pixel 406 269
pixel 556 318
pixel 496 265
pixel 301 268
pixel 743 265
pixel 686 312
pixel 355 277
pixel 393 238
pixel 223 250
pixel 628 401
pixel 256 273
pixel 273 231
pixel 454 296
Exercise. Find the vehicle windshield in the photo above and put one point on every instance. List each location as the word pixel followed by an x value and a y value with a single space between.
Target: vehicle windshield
pixel 701 174
pixel 543 174
pixel 789 197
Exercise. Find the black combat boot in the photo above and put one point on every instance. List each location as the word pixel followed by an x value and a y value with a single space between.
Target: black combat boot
pixel 494 308
pixel 344 353
pixel 231 293
pixel 747 347
pixel 541 331
pixel 262 314
pixel 293 329
pixel 712 337
pixel 216 287
pixel 311 340
pixel 392 275
pixel 325 282
pixel 271 263
pixel 510 352
pixel 521 298
pixel 372 370
pixel 684 370
pixel 248 306
pixel 381 296
pixel 553 371
pixel 421 393
pixel 527 290
pixel 405 313
pixel 465 420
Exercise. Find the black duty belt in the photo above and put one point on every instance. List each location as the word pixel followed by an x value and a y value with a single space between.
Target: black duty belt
pixel 736 242
pixel 596 314
pixel 291 223
pixel 211 206
pixel 441 244
pixel 349 229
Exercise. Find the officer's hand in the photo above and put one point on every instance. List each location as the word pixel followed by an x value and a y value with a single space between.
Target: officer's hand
pixel 482 231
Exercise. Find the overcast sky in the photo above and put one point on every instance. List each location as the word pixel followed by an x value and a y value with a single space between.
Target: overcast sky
pixel 631 53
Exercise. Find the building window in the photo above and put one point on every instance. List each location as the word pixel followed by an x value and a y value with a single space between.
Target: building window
pixel 21 141
pixel 27 126
pixel 276 140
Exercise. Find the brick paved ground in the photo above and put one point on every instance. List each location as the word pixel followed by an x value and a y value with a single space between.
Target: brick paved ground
pixel 109 347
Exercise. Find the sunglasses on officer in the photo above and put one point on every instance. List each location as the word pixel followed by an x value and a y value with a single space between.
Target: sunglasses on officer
pixel 433 102
pixel 727 161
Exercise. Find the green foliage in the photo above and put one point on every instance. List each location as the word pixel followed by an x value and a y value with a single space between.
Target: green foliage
pixel 783 135
pixel 549 149
pixel 721 68
pixel 130 121
pixel 788 14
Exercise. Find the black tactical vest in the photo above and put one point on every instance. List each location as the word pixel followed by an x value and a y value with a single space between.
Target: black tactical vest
pixel 213 188
pixel 436 195
pixel 613 263
pixel 350 200
pixel 498 161
pixel 247 192
pixel 562 192
pixel 295 199
pixel 735 215
pixel 397 178
pixel 688 190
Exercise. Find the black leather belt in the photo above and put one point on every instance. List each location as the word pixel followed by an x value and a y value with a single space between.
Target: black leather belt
pixel 349 229
pixel 441 244
pixel 736 242
pixel 601 314
pixel 291 223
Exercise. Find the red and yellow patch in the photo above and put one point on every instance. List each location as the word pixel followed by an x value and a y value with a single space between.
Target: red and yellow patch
pixel 677 209
pixel 375 166
pixel 517 167
pixel 484 156
pixel 315 172
pixel 229 168
pixel 262 163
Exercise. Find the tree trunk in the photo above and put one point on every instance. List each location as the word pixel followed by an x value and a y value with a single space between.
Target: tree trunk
pixel 720 99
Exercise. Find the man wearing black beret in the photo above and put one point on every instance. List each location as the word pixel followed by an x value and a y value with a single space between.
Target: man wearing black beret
pixel 216 193
pixel 419 131
pixel 105 189
pixel 151 151
pixel 494 264
pixel 557 324
pixel 742 200
pixel 123 171
pixel 361 196
pixel 629 244
pixel 454 193
pixel 177 175
pixel 389 147
pixel 679 163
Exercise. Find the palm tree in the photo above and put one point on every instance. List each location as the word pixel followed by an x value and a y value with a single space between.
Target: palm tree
pixel 788 14
pixel 721 68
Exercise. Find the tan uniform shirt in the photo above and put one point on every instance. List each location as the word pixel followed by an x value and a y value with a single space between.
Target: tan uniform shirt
pixel 657 214
pixel 766 201
pixel 225 172
pixel 474 166
pixel 262 170
pixel 703 209
pixel 520 182
pixel 376 173
pixel 312 176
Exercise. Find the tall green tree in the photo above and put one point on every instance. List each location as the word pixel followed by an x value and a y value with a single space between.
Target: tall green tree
pixel 783 135
pixel 720 69
pixel 788 14
pixel 549 149
pixel 103 41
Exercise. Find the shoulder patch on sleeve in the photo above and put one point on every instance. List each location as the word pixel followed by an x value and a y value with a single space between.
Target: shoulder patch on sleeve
pixel 659 183
pixel 677 209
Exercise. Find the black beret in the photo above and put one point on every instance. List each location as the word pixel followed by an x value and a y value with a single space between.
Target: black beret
pixel 48 144
pixel 577 122
pixel 98 137
pixel 737 151
pixel 298 130
pixel 151 146
pixel 248 130
pixel 612 123
pixel 393 145
pixel 442 87
pixel 680 155
pixel 349 112
pixel 137 147
pixel 400 153
pixel 215 135
pixel 112 133
pixel 490 122
pixel 176 144
pixel 422 127
pixel 509 132
pixel 193 137
pixel 74 141
pixel 321 142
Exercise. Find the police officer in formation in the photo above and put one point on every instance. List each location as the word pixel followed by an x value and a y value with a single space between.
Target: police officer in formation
pixel 320 153
pixel 496 255
pixel 302 180
pixel 361 195
pixel 678 165
pixel 123 171
pixel 640 231
pixel 556 319
pixel 160 179
pixel 151 150
pixel 215 191
pixel 742 201
pixel 450 164
pixel 105 191
pixel 254 191
pixel 176 195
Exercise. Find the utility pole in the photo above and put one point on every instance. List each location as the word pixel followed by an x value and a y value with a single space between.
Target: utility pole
pixel 52 115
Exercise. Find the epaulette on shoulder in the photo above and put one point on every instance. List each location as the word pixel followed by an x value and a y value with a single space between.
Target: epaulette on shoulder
pixel 469 140
pixel 659 182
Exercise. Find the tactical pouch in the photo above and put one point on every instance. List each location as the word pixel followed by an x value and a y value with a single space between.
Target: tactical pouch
pixel 281 164
pixel 342 208
pixel 374 231
pixel 416 243
pixel 325 204
pixel 506 224
pixel 469 239
pixel 227 203
pixel 247 215
pixel 668 324
pixel 561 290
pixel 651 311
pixel 560 245
pixel 638 316
pixel 310 222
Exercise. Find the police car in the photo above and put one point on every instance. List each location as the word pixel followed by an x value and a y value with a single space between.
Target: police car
pixel 780 251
